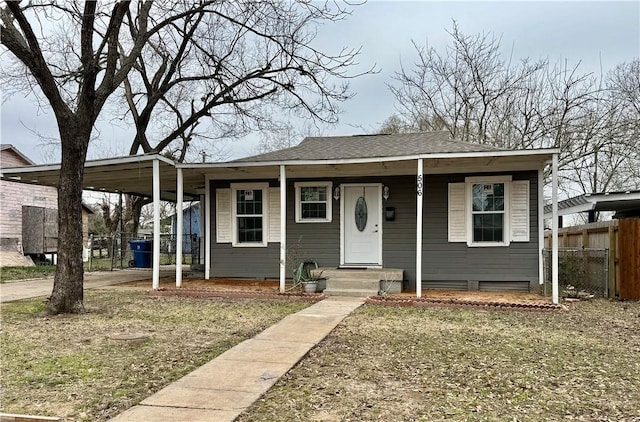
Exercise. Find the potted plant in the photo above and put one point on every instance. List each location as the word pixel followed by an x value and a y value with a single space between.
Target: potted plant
pixel 311 281
pixel 309 276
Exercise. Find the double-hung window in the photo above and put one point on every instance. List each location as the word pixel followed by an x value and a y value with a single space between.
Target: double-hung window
pixel 313 202
pixel 488 212
pixel 249 214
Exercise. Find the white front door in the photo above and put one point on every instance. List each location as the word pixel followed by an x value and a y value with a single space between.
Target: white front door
pixel 362 225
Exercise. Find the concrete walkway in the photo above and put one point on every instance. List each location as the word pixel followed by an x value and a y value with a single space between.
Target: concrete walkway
pixel 226 386
pixel 27 289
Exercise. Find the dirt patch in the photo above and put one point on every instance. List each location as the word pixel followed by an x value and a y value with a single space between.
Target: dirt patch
pixel 213 284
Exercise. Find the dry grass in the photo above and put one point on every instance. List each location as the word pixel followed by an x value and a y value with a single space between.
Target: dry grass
pixel 410 364
pixel 70 366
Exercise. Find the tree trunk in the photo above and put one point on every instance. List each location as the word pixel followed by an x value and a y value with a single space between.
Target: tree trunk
pixel 68 295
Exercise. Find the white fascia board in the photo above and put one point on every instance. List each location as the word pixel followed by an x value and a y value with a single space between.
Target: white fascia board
pixel 573 210
pixel 611 197
pixel 481 154
pixel 91 163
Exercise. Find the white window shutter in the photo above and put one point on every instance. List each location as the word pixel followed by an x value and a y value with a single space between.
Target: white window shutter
pixel 519 209
pixel 274 214
pixel 223 216
pixel 457 214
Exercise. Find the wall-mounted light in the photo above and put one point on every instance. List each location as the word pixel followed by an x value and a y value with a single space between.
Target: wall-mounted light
pixel 385 192
pixel 336 193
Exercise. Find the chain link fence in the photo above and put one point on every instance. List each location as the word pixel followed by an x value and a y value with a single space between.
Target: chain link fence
pixel 581 272
pixel 116 251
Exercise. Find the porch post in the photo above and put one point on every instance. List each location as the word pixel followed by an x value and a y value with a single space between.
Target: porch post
pixel 419 193
pixel 156 224
pixel 554 229
pixel 207 228
pixel 180 227
pixel 541 225
pixel 283 227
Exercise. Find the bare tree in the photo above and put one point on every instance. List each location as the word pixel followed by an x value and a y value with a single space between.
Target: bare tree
pixel 231 70
pixel 78 54
pixel 478 96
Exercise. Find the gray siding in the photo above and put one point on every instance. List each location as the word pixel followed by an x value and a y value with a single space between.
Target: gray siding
pixel 444 264
pixel 455 262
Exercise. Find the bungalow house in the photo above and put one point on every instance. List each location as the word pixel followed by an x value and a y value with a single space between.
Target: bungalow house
pixel 422 208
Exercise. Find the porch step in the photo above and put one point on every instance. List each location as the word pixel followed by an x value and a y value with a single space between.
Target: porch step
pixel 350 292
pixel 360 282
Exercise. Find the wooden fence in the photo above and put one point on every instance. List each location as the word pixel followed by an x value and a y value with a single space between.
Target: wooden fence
pixel 622 238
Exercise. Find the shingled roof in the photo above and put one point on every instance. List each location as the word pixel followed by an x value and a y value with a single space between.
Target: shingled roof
pixel 371 146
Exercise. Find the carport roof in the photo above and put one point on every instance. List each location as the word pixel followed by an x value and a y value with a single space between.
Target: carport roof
pixel 131 174
pixel 622 202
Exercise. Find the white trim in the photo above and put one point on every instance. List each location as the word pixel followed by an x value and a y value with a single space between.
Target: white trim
pixel 342 229
pixel 420 188
pixel 283 227
pixel 264 187
pixel 179 226
pixel 480 154
pixel 541 226
pixel 207 228
pixel 298 201
pixel 506 234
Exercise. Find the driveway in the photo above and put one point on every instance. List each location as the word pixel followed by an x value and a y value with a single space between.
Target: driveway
pixel 26 289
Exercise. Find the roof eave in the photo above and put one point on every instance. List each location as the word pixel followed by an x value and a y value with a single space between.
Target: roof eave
pixel 450 155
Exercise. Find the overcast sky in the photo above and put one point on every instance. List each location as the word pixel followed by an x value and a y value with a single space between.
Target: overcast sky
pixel 597 34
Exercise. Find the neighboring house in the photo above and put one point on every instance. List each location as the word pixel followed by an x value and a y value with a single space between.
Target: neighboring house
pixel 28 214
pixel 191 226
pixel 422 208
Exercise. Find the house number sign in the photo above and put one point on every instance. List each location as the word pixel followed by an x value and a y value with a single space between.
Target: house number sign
pixel 419 185
pixel 361 214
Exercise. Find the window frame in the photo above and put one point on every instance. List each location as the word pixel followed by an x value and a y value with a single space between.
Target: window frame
pixel 298 194
pixel 506 219
pixel 264 187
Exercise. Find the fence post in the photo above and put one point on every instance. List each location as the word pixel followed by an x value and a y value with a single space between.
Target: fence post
pixel 612 262
pixel 90 251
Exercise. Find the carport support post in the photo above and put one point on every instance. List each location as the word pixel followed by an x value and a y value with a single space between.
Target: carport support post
pixel 156 224
pixel 179 226
pixel 207 228
pixel 419 193
pixel 554 229
pixel 283 228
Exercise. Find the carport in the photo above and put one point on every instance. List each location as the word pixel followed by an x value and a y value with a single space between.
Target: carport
pixel 152 176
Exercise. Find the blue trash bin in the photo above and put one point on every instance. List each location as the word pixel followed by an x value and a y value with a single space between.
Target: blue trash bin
pixel 142 252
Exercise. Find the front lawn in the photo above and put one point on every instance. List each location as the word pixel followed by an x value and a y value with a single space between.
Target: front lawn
pixel 21 273
pixel 410 364
pixel 73 366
